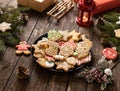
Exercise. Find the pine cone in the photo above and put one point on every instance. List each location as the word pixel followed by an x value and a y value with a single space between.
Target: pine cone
pixel 22 72
pixel 24 17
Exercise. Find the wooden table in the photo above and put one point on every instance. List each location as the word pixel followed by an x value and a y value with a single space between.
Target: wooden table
pixel 40 79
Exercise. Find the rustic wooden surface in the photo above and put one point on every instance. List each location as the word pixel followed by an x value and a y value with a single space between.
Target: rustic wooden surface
pixel 40 79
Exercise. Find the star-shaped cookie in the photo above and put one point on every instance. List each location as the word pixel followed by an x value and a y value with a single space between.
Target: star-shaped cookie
pixel 74 35
pixel 65 35
pixel 5 26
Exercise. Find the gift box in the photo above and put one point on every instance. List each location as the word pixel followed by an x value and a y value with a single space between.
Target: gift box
pixel 103 5
pixel 38 5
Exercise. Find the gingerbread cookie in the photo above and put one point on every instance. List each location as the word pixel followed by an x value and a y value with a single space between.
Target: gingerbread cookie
pixel 43 43
pixel 71 60
pixel 38 52
pixel 65 35
pixel 63 65
pixel 84 60
pixel 51 51
pixel 54 35
pixel 59 57
pixel 83 48
pixel 74 36
pixel 67 48
pixel 23 48
pixel 49 58
pixel 44 63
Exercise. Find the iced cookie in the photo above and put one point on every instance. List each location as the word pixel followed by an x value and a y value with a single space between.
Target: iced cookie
pixel 63 66
pixel 74 35
pixel 71 60
pixel 49 58
pixel 51 51
pixel 42 44
pixel 38 53
pixel 59 57
pixel 44 63
pixel 83 48
pixel 23 48
pixel 52 43
pixel 54 35
pixel 65 35
pixel 67 49
pixel 84 60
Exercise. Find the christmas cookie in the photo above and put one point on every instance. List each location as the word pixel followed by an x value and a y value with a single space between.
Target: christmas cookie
pixel 49 58
pixel 23 48
pixel 44 63
pixel 43 43
pixel 5 26
pixel 54 35
pixel 65 35
pixel 84 60
pixel 71 60
pixel 51 51
pixel 59 57
pixel 63 65
pixel 74 35
pixel 38 52
pixel 67 49
pixel 83 48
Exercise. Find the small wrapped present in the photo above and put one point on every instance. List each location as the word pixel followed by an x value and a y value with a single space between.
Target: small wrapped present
pixel 38 5
pixel 103 5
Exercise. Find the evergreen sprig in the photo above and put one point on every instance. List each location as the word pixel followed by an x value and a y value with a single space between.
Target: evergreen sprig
pixel 17 18
pixel 107 24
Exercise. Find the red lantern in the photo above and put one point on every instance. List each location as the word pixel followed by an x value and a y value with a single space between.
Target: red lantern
pixel 85 11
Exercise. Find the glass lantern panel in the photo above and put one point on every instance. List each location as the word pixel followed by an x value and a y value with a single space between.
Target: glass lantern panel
pixel 91 14
pixel 85 17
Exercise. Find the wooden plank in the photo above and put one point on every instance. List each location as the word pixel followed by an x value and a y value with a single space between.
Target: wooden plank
pixel 10 56
pixel 96 54
pixel 36 80
pixel 78 84
pixel 4 3
pixel 116 79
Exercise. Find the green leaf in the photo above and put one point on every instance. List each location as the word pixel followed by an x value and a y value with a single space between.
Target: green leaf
pixel 9 39
pixel 22 9
pixel 2 46
pixel 111 17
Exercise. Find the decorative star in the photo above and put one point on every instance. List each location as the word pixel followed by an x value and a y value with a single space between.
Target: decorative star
pixel 118 22
pixel 5 26
pixel 74 35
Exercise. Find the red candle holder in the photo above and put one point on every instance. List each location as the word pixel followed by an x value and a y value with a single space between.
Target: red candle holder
pixel 85 12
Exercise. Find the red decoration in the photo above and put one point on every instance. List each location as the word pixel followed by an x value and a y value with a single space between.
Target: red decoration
pixel 110 53
pixel 103 5
pixel 85 11
pixel 23 48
